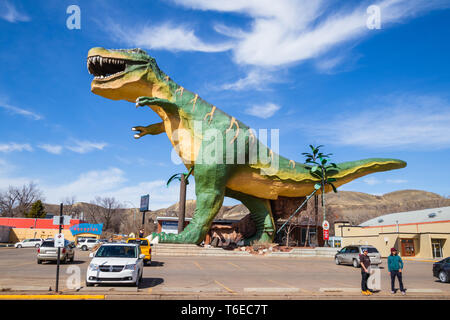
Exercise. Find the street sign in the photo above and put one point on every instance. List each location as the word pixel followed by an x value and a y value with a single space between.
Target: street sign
pixel 326 225
pixel 144 203
pixel 61 220
pixel 59 240
pixel 326 234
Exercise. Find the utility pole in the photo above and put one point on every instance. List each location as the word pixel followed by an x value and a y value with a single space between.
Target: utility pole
pixel 59 249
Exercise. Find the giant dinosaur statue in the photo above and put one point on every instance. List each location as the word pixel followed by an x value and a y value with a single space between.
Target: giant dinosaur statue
pixel 134 76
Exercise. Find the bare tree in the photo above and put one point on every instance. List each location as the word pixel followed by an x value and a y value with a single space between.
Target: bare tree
pixel 71 208
pixel 107 211
pixel 17 201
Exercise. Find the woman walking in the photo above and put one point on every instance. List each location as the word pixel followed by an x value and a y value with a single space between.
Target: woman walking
pixel 395 267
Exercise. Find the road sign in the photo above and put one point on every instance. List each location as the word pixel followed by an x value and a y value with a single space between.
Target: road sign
pixel 326 225
pixel 144 203
pixel 59 240
pixel 326 235
pixel 61 220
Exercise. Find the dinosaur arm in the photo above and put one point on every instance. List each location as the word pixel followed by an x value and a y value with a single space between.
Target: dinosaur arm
pixel 166 105
pixel 152 129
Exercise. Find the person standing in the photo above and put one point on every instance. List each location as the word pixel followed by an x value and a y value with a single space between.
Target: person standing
pixel 365 272
pixel 395 267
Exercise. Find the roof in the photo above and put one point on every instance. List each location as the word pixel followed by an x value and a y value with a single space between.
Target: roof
pixel 418 216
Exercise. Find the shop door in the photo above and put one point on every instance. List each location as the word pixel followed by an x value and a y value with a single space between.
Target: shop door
pixel 408 248
pixel 437 248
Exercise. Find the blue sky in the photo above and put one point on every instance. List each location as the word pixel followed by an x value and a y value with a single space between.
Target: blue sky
pixel 312 69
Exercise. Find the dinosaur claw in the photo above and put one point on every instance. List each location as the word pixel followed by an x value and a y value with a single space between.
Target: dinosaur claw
pixel 136 136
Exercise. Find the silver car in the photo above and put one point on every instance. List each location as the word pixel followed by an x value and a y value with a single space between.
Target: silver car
pixel 29 243
pixel 350 255
pixel 48 252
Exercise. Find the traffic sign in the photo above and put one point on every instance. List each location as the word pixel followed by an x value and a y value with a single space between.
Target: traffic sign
pixel 144 203
pixel 61 220
pixel 59 240
pixel 326 225
pixel 326 234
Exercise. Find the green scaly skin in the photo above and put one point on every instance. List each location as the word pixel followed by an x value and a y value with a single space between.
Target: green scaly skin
pixel 140 80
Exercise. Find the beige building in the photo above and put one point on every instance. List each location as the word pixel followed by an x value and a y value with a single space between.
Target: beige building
pixel 422 233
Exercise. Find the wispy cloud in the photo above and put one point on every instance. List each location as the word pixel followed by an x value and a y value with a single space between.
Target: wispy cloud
pixel 12 146
pixel 169 36
pixel 263 111
pixel 20 111
pixel 284 32
pixel 51 148
pixel 255 79
pixel 396 121
pixel 9 13
pixel 86 146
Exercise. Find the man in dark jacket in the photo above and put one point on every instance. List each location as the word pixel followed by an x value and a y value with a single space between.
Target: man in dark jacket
pixel 395 266
pixel 365 273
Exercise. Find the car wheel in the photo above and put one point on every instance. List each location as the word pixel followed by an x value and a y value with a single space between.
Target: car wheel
pixel 355 263
pixel 37 245
pixel 84 248
pixel 443 276
pixel 337 261
pixel 19 246
pixel 39 261
pixel 88 284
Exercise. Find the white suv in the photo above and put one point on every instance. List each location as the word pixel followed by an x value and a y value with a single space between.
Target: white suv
pixel 116 263
pixel 87 244
pixel 29 243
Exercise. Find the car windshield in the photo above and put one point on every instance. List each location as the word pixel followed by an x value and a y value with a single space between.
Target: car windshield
pixel 142 242
pixel 369 249
pixel 116 252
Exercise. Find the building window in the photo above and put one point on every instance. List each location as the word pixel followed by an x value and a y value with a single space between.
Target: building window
pixel 408 247
pixel 436 246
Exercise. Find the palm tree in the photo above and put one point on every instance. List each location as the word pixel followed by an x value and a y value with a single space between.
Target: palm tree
pixel 319 167
pixel 184 181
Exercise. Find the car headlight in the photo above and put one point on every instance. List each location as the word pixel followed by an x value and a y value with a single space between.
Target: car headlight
pixel 130 267
pixel 93 267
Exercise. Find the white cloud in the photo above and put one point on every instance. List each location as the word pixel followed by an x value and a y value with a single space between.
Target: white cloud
pixel 9 13
pixel 371 181
pixel 165 37
pixel 10 147
pixel 54 149
pixel 86 146
pixel 20 111
pixel 400 121
pixel 287 31
pixel 396 181
pixel 263 111
pixel 255 79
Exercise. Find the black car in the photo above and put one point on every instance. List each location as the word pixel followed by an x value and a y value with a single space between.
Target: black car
pixel 441 270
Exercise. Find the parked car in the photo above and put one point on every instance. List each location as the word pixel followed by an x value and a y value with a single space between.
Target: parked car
pixel 116 263
pixel 29 243
pixel 441 270
pixel 350 255
pixel 87 244
pixel 48 252
pixel 145 248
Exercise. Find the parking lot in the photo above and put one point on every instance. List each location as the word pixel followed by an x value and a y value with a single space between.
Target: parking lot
pixel 209 277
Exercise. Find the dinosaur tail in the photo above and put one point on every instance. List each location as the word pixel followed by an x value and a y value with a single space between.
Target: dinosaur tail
pixel 352 170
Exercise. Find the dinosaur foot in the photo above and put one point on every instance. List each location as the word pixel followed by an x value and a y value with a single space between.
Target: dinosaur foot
pixel 261 237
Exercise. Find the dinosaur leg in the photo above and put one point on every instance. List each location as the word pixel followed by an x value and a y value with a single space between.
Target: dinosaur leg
pixel 210 183
pixel 261 214
pixel 152 129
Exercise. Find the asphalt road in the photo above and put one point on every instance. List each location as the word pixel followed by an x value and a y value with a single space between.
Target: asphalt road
pixel 254 276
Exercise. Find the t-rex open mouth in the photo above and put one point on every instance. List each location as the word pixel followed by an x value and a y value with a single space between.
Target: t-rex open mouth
pixel 104 68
